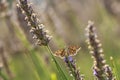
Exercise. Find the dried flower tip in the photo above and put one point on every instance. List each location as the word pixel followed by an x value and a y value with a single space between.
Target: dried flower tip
pixel 92 52
pixel 23 12
pixel 38 42
pixel 101 51
pixel 90 22
pixel 90 26
pixel 46 31
pixel 50 37
pixel 42 25
pixel 30 4
pixel 87 41
pixel 89 47
pixel 32 30
pixel 104 62
pixel 34 37
pixel 99 45
pixel 29 24
pixel 102 55
pixel 95 35
pixel 97 41
pixel 33 15
pixel 18 5
pixel 26 18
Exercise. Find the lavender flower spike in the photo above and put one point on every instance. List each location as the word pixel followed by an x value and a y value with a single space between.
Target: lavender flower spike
pixel 39 33
pixel 72 68
pixel 99 68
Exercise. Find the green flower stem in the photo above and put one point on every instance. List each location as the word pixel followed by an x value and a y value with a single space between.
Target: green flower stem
pixel 115 69
pixel 57 65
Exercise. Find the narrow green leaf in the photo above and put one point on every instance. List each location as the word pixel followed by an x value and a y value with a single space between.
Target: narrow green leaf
pixel 3 76
pixel 62 74
pixel 115 69
pixel 38 66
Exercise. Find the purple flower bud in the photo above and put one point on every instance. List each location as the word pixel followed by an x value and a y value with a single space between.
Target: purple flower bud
pixel 94 72
pixel 69 58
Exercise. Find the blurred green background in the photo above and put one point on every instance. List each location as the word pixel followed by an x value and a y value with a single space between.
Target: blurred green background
pixel 66 21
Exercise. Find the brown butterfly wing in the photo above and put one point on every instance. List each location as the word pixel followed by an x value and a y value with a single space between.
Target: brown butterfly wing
pixel 72 50
pixel 60 53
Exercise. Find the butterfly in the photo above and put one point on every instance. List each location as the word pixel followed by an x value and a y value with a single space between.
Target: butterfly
pixel 69 51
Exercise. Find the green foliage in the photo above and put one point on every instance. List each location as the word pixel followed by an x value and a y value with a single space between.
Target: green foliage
pixel 2 75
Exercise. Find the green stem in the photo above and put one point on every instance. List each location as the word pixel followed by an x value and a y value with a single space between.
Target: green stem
pixel 3 76
pixel 57 65
pixel 115 69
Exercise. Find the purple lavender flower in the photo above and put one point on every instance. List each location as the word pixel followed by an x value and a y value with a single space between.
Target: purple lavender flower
pixel 69 58
pixel 72 67
pixel 39 33
pixel 99 68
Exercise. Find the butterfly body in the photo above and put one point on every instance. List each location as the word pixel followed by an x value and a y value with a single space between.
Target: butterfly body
pixel 69 51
